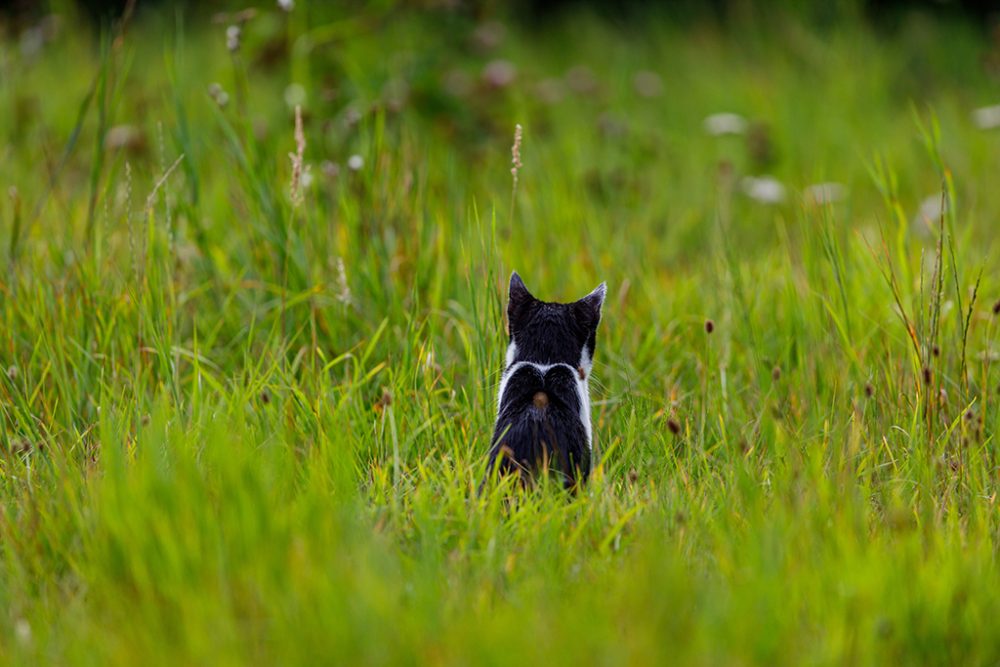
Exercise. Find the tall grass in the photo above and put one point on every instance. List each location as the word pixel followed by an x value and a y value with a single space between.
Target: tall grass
pixel 239 427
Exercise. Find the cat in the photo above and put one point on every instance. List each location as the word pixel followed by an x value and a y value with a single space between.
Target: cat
pixel 543 403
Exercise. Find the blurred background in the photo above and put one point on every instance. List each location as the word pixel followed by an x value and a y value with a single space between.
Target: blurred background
pixel 774 96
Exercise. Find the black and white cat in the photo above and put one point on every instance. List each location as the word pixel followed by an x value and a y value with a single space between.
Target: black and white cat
pixel 543 405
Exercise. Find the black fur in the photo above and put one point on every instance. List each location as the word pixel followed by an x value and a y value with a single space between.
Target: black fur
pixel 542 424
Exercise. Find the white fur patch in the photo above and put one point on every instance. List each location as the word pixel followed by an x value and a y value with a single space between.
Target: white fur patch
pixel 586 363
pixel 511 354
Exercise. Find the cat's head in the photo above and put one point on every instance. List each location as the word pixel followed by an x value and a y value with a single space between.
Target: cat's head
pixel 552 333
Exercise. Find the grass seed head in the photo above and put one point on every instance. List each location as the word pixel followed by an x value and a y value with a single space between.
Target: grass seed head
pixel 298 158
pixel 927 375
pixel 343 289
pixel 709 326
pixel 515 152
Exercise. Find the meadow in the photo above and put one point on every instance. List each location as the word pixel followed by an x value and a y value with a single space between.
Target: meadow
pixel 250 355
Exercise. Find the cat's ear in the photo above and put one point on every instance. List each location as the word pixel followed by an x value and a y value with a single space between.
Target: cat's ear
pixel 518 304
pixel 589 307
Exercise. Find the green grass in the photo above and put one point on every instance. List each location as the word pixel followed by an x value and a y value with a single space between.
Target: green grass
pixel 218 448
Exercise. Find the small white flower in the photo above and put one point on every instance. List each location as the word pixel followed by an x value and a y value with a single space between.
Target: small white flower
pixel 764 189
pixel 220 96
pixel 987 118
pixel 719 124
pixel 23 631
pixel 824 193
pixel 355 162
pixel 233 33
pixel 499 73
pixel 286 5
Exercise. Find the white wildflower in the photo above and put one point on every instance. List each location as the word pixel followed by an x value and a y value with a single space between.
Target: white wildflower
pixel 233 34
pixel 220 96
pixel 719 124
pixel 22 629
pixel 763 189
pixel 987 118
pixel 499 73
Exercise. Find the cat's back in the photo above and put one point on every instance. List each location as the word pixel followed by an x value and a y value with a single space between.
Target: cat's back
pixel 539 423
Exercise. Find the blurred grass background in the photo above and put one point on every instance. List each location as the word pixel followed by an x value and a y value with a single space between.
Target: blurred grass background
pixel 242 420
